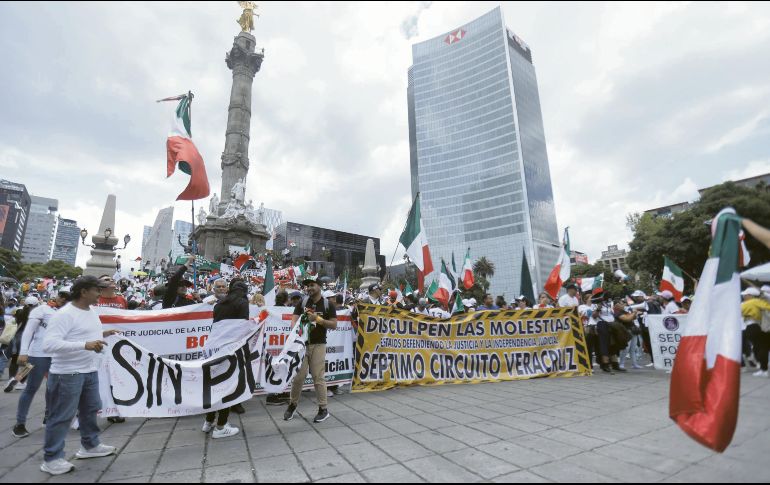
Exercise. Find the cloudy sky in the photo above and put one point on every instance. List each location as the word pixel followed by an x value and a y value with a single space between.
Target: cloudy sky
pixel 642 104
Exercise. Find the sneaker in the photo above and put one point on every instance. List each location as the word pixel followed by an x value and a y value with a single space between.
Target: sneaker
pixel 291 411
pixel 323 415
pixel 96 452
pixel 75 424
pixel 207 426
pixel 238 409
pixel 225 431
pixel 116 419
pixel 650 364
pixel 637 366
pixel 20 431
pixel 274 400
pixel 329 394
pixel 20 386
pixel 760 373
pixel 57 467
pixel 11 384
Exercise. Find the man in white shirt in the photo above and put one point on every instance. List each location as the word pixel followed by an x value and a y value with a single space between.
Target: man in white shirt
pixel 570 298
pixel 669 307
pixel 32 352
pixel 73 338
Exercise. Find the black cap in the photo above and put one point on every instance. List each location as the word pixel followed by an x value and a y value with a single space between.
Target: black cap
pixel 572 286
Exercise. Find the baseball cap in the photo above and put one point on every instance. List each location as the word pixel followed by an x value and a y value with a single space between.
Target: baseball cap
pixel 765 289
pixel 638 294
pixel 31 300
pixel 751 292
pixel 309 279
pixel 686 298
pixel 328 294
pixel 666 294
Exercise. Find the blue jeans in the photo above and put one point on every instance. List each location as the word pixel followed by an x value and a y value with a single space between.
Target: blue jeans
pixel 66 395
pixel 34 380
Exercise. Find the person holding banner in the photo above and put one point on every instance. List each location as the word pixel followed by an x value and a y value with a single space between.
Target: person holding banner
pixel 321 316
pixel 235 306
pixel 73 338
pixel 176 289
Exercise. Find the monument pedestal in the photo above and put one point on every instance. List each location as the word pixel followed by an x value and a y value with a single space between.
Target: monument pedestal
pixel 217 235
pixel 103 256
pixel 370 270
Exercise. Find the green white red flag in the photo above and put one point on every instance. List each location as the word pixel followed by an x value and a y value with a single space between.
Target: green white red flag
pixel 446 286
pixel 591 285
pixel 467 276
pixel 415 240
pixel 268 290
pixel 705 381
pixel 673 279
pixel 181 150
pixel 561 271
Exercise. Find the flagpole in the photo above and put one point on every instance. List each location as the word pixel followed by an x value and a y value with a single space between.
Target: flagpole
pixel 387 270
pixel 194 247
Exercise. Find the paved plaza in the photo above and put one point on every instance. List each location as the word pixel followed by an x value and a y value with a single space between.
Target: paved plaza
pixel 590 429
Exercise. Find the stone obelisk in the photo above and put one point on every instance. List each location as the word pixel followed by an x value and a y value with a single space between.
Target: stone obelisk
pixel 370 270
pixel 102 256
pixel 245 62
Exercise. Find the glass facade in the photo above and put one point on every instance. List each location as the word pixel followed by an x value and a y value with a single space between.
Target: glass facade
pixel 477 151
pixel 182 229
pixel 65 247
pixel 15 204
pixel 41 229
pixel 330 251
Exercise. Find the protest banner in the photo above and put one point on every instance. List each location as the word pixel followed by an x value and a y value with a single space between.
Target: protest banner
pixel 135 382
pixel 665 334
pixel 399 348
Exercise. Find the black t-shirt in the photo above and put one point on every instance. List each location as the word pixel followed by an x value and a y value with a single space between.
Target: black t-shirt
pixel 318 334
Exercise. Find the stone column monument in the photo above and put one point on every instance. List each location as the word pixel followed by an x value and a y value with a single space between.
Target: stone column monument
pixel 229 223
pixel 102 257
pixel 371 270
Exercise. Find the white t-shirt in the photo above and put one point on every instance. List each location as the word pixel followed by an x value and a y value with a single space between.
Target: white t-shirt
pixel 671 308
pixel 66 337
pixel 586 313
pixel 567 301
pixel 34 332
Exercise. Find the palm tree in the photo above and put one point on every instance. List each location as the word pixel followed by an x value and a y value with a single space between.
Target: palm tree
pixel 484 267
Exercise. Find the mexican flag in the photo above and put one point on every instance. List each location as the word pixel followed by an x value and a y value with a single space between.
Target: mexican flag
pixel 446 286
pixel 673 279
pixel 415 240
pixel 268 290
pixel 705 381
pixel 561 271
pixel 244 261
pixel 181 150
pixel 468 271
pixel 458 304
pixel 432 290
pixel 453 273
pixel 591 285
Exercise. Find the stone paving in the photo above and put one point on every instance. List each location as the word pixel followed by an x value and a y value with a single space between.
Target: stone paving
pixel 590 429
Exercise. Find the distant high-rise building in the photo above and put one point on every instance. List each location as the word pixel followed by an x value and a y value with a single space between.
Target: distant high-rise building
pixel 65 247
pixel 158 242
pixel 14 212
pixel 477 151
pixel 146 235
pixel 182 230
pixel 272 219
pixel 41 229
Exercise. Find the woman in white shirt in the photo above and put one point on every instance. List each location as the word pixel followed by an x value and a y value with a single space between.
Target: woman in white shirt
pixel 586 312
pixel 32 352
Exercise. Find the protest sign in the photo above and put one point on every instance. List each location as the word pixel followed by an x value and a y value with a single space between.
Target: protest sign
pixel 399 348
pixel 665 334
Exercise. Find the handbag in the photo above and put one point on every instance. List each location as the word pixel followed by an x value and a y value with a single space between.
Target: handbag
pixel 9 332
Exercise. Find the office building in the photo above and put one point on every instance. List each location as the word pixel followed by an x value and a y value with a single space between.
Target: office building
pixel 41 230
pixel 158 242
pixel 477 151
pixel 326 250
pixel 614 259
pixel 15 205
pixel 182 231
pixel 67 241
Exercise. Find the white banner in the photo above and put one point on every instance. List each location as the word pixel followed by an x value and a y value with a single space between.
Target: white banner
pixel 665 334
pixel 135 382
pixel 280 371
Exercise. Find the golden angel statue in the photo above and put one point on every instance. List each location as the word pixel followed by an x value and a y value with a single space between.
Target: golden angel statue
pixel 247 17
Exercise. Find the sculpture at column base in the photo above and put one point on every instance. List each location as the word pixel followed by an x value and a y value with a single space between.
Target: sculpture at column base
pixel 218 234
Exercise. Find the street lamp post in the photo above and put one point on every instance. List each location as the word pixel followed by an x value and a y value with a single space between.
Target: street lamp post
pixel 104 245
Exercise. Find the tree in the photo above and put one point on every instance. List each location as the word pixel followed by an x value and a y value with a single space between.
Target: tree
pixel 10 263
pixel 685 238
pixel 484 268
pixel 51 269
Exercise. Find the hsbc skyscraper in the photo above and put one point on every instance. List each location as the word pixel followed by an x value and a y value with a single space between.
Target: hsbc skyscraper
pixel 478 154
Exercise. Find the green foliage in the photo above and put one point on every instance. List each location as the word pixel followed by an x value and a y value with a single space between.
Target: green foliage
pixel 53 268
pixel 484 268
pixel 10 263
pixel 685 238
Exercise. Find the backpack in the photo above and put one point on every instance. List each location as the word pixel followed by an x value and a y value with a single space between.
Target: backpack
pixel 307 299
pixel 764 324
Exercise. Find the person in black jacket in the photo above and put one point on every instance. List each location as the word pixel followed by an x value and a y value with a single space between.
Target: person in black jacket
pixel 235 306
pixel 176 289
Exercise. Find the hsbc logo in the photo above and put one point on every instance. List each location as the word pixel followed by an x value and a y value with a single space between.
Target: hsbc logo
pixel 454 37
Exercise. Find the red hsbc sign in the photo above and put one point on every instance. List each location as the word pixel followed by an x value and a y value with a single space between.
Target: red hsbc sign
pixel 455 37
